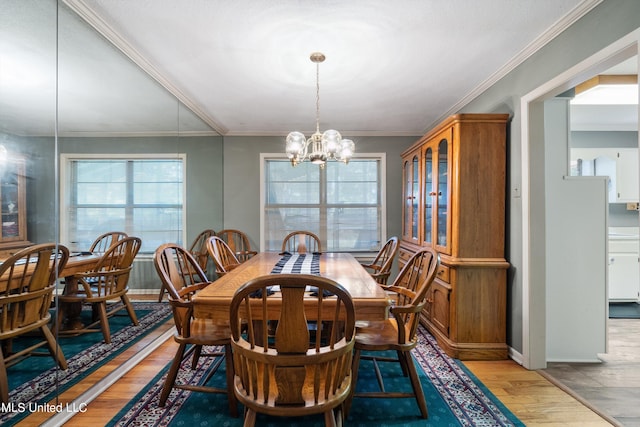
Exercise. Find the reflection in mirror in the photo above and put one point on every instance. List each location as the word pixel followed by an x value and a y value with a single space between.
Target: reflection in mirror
pixel 84 99
pixel 27 143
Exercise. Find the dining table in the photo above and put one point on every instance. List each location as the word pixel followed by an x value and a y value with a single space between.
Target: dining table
pixel 371 302
pixel 78 262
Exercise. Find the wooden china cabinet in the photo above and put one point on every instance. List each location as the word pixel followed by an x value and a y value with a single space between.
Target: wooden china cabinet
pixel 454 201
pixel 13 206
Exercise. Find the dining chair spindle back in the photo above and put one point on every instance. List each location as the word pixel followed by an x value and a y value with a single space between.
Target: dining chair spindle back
pixel 398 332
pixel 301 242
pixel 107 281
pixel 198 249
pixel 305 368
pixel 223 257
pixel 183 278
pixel 238 242
pixel 380 267
pixel 105 241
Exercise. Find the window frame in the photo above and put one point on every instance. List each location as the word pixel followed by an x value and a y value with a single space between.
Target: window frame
pixel 381 157
pixel 66 192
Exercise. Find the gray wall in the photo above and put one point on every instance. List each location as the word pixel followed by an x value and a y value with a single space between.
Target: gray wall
pixel 608 22
pixel 242 178
pixel 598 139
pixel 204 176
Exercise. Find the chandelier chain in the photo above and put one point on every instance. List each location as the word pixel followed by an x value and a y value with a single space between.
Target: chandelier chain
pixel 317 97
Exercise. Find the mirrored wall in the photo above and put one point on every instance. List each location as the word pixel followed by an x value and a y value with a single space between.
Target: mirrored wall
pixel 66 93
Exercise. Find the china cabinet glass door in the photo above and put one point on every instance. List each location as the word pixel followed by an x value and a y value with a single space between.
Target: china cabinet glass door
pixel 428 196
pixel 12 200
pixel 411 198
pixel 415 199
pixel 442 197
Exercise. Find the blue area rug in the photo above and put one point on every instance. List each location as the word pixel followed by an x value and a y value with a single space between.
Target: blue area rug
pixel 454 398
pixel 38 380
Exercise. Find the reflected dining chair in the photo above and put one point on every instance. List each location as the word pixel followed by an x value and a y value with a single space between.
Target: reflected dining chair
pixel 24 303
pixel 398 333
pixel 223 257
pixel 107 281
pixel 301 242
pixel 380 267
pixel 298 371
pixel 105 241
pixel 198 249
pixel 182 277
pixel 238 242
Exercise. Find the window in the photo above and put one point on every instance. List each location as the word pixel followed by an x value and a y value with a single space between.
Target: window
pixel 142 196
pixel 343 204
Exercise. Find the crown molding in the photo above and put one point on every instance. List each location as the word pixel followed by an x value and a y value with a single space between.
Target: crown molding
pixel 352 134
pixel 561 25
pixel 92 18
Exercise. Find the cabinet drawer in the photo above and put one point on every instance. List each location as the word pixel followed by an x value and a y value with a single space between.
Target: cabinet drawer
pixel 443 273
pixel 404 255
pixel 623 246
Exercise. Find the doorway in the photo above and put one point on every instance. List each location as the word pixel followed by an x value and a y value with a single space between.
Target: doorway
pixel 536 314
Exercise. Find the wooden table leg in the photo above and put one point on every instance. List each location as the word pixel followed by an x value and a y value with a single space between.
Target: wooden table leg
pixel 71 310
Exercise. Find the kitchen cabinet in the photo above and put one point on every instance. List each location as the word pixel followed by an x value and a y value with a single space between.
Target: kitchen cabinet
pixel 454 201
pixel 13 205
pixel 619 164
pixel 624 265
pixel 627 185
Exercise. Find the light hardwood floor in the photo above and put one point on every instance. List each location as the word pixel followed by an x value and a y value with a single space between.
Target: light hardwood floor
pixel 530 396
pixel 613 385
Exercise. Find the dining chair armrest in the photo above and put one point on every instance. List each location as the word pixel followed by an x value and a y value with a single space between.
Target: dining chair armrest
pixel 373 267
pixel 406 317
pixel 182 315
pixel 86 286
pixel 381 277
pixel 191 289
pixel 406 309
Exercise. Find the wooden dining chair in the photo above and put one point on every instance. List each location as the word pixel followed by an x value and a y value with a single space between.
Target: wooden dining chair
pixel 182 276
pixel 300 371
pixel 398 332
pixel 24 303
pixel 301 242
pixel 238 242
pixel 198 249
pixel 105 241
pixel 223 257
pixel 380 267
pixel 107 281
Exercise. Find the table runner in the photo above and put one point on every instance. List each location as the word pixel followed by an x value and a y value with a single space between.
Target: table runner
pixel 298 263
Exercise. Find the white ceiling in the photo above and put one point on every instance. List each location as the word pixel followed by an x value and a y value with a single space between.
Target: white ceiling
pixel 392 68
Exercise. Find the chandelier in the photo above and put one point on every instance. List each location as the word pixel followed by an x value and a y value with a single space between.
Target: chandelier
pixel 320 147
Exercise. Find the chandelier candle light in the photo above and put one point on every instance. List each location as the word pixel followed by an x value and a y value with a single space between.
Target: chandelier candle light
pixel 320 147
